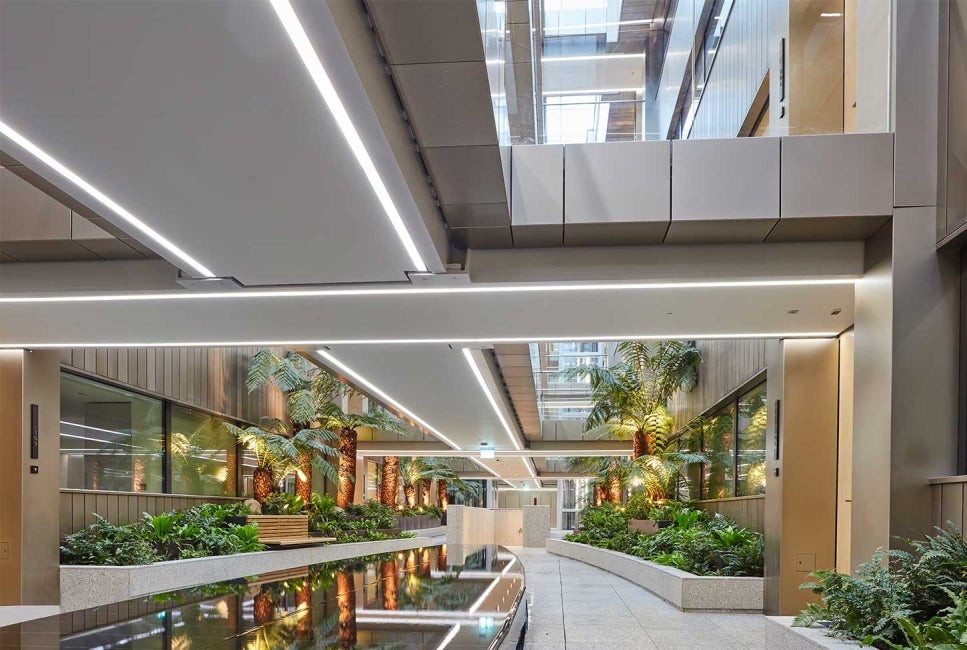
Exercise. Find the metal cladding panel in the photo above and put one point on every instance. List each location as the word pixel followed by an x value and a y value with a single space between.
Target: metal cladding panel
pixel 537 186
pixel 465 175
pixel 617 182
pixel 725 179
pixel 427 31
pixel 844 175
pixel 448 103
pixel 726 231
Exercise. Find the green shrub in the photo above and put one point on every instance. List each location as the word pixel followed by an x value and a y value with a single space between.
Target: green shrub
pixel 200 531
pixel 358 523
pixel 945 631
pixel 696 541
pixel 895 594
pixel 283 503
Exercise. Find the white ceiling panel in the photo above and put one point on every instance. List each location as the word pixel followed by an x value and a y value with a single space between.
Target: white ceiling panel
pixel 200 118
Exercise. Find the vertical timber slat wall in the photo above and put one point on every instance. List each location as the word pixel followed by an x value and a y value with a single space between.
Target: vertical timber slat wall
pixel 212 379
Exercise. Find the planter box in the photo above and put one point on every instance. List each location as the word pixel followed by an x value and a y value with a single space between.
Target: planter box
pixel 417 522
pixel 686 591
pixel 91 586
pixel 647 526
pixel 782 636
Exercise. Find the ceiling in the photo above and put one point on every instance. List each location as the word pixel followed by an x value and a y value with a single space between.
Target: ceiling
pixel 201 119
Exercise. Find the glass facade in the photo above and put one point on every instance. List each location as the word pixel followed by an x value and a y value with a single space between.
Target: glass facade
pixel 204 454
pixel 110 439
pixel 751 428
pixel 718 443
pixel 113 439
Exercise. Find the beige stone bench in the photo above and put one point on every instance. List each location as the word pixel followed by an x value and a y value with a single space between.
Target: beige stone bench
pixel 285 530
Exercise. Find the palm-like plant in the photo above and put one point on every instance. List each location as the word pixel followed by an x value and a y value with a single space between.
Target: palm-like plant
pixel 614 473
pixel 279 453
pixel 347 424
pixel 422 471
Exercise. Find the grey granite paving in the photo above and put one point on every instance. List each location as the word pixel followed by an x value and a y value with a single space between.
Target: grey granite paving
pixel 575 606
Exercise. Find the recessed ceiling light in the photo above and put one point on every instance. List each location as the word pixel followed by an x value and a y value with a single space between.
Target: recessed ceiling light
pixel 310 58
pixel 423 290
pixel 72 176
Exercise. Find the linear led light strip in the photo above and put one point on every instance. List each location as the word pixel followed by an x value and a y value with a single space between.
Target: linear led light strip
pixel 451 341
pixel 468 355
pixel 419 291
pixel 103 198
pixel 310 58
pixel 591 57
pixel 383 396
pixel 592 91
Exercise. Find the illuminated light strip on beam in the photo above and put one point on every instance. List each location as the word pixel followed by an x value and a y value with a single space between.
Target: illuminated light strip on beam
pixel 423 291
pixel 590 57
pixel 468 355
pixel 453 341
pixel 104 199
pixel 591 91
pixel 613 23
pixel 383 396
pixel 310 58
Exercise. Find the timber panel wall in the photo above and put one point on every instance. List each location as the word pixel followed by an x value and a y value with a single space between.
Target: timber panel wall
pixel 748 512
pixel 209 378
pixel 77 507
pixel 949 502
pixel 726 366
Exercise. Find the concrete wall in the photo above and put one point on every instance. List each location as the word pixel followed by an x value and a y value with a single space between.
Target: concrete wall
pixel 521 498
pixel 29 531
pixel 503 526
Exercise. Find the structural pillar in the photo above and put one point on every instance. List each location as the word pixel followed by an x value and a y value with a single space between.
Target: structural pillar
pixel 29 477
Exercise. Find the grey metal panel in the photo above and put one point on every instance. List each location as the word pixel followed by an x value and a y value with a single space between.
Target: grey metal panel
pixel 111 249
pixel 540 236
pixel 422 31
pixel 467 174
pixel 46 251
pixel 448 103
pixel 26 213
pixel 712 231
pixel 614 234
pixel 825 228
pixel 617 182
pixel 537 186
pixel 476 215
pixel 837 175
pixel 495 237
pixel 725 179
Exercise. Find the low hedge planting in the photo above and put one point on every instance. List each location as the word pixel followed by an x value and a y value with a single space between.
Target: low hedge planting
pixel 696 541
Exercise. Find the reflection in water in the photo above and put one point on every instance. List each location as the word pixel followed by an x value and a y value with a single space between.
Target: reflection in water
pixel 413 599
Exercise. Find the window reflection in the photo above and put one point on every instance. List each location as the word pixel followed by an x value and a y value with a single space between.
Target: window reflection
pixel 110 439
pixel 751 465
pixel 719 445
pixel 203 454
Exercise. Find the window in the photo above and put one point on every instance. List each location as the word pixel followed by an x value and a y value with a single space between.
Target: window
pixel 110 439
pixel 751 459
pixel 718 443
pixel 203 454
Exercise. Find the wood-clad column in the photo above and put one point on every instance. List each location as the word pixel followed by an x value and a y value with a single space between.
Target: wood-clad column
pixel 29 502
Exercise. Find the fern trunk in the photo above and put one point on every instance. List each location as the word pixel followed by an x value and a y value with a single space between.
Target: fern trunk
pixel 389 485
pixel 346 601
pixel 262 483
pixel 599 495
pixel 347 467
pixel 614 490
pixel 390 579
pixel 409 491
pixel 425 489
pixel 442 496
pixel 303 488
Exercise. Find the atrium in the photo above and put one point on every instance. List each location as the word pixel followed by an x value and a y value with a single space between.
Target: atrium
pixel 483 324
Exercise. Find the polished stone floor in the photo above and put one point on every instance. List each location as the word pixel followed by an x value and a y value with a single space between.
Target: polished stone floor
pixel 575 606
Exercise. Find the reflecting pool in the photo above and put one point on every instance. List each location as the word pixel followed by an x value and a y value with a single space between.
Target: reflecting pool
pixel 436 597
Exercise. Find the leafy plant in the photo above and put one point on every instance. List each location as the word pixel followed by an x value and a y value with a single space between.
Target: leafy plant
pixel 946 631
pixel 895 595
pixel 106 544
pixel 283 503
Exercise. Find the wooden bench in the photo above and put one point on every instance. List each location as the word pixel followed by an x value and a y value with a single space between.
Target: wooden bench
pixel 284 531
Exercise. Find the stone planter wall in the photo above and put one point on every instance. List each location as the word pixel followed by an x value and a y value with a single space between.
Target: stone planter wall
pixel 686 591
pixel 91 586
pixel 780 635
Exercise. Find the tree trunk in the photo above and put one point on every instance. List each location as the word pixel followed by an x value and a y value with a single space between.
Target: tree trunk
pixel 263 609
pixel 390 579
pixel 303 488
pixel 303 603
pixel 442 496
pixel 639 444
pixel 409 491
pixel 346 601
pixel 599 494
pixel 425 488
pixel 614 490
pixel 347 467
pixel 389 486
pixel 262 483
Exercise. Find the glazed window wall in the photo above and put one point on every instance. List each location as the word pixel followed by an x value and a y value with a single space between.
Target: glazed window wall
pixel 114 439
pixel 733 437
